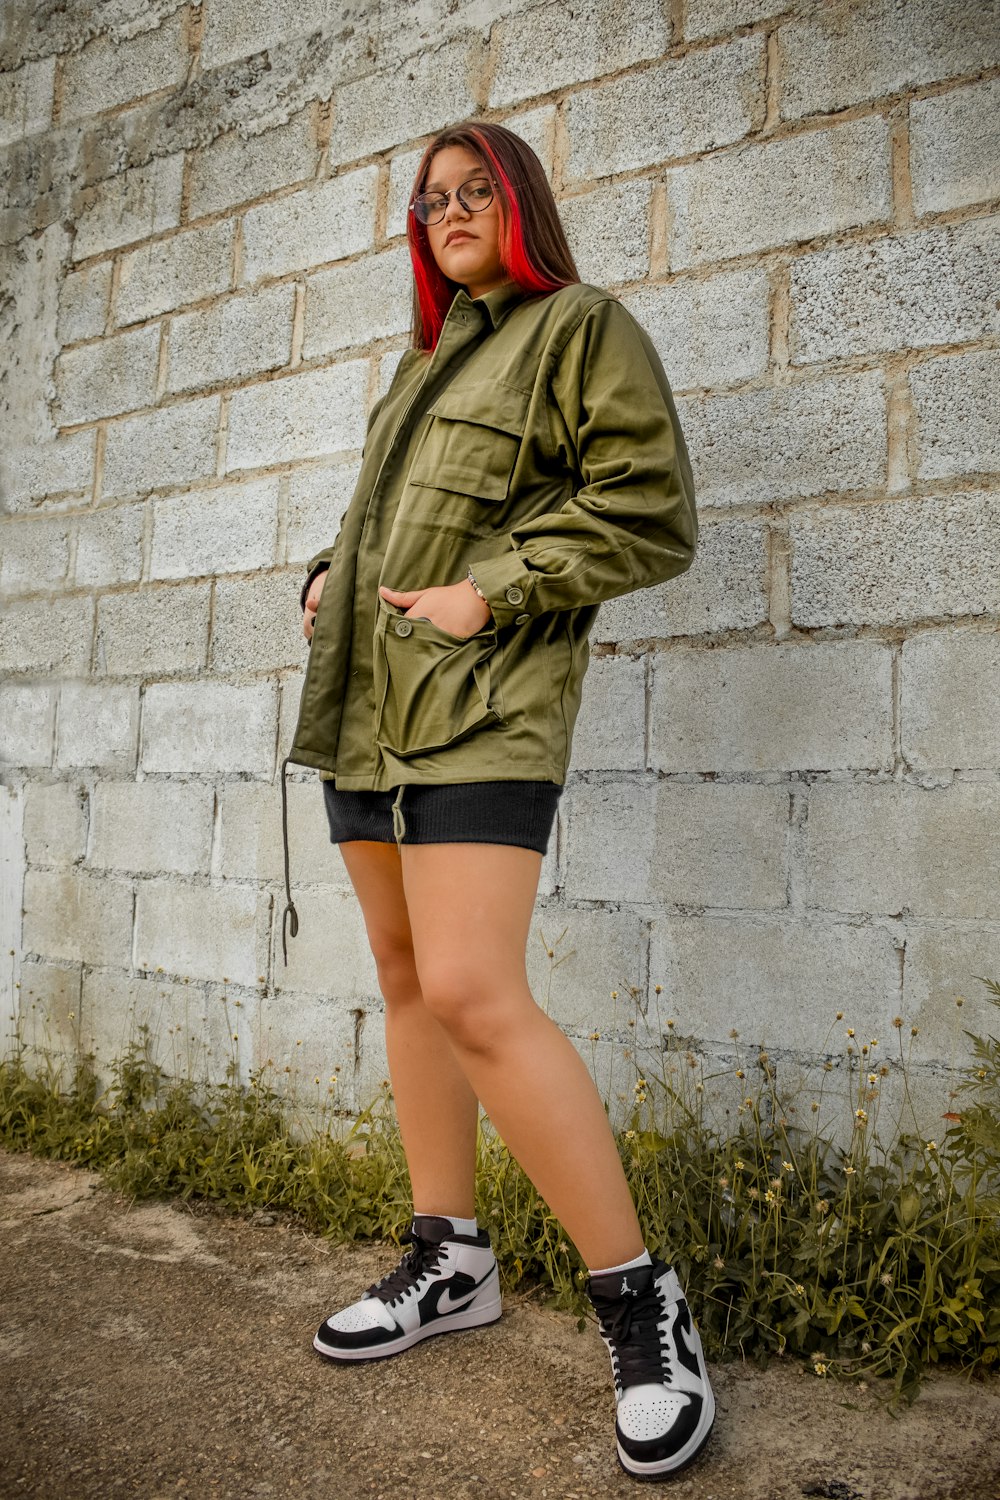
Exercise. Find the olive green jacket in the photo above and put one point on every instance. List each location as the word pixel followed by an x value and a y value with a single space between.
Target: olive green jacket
pixel 538 445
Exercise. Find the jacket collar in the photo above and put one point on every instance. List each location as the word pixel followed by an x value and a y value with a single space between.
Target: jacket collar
pixel 498 303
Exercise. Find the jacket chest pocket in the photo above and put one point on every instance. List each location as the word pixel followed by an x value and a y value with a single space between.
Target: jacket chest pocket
pixel 472 440
pixel 431 688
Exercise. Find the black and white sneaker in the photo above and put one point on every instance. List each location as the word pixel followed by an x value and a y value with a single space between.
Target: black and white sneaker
pixel 665 1406
pixel 445 1282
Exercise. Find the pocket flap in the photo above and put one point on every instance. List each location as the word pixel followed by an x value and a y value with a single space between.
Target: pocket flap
pixel 487 404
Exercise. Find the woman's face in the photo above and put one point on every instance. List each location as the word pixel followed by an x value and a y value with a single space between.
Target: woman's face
pixel 465 245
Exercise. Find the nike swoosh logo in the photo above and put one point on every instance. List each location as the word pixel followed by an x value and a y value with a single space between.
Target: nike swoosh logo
pixel 446 1305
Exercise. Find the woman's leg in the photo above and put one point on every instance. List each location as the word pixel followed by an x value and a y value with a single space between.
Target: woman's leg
pixel 470 909
pixel 436 1108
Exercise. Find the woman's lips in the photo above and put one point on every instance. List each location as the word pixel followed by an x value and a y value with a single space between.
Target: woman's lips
pixel 459 234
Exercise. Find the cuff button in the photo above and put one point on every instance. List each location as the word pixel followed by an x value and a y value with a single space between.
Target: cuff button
pixel 514 596
pixel 522 619
pixel 403 627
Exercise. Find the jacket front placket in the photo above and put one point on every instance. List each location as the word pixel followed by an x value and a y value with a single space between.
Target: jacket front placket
pixel 464 329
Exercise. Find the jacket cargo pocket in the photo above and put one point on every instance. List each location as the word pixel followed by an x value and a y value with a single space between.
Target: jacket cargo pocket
pixel 472 441
pixel 431 688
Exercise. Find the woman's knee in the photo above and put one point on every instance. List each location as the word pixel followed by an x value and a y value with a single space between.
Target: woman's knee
pixel 475 1009
pixel 396 967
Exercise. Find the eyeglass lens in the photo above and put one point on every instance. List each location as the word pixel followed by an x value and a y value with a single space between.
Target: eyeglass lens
pixel 474 196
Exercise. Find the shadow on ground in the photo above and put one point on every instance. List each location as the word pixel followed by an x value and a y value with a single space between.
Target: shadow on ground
pixel 156 1351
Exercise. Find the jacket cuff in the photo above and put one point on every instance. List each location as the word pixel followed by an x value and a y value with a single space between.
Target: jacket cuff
pixel 508 586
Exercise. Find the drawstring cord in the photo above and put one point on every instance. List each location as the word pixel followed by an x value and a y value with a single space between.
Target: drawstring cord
pixel 398 820
pixel 289 917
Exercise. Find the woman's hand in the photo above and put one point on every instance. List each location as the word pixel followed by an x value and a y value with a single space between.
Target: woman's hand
pixel 455 608
pixel 312 604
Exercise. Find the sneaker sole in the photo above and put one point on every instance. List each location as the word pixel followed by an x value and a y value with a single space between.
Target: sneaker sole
pixel 458 1322
pixel 680 1460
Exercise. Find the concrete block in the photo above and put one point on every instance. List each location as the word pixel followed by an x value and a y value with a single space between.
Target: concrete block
pixel 708 332
pixel 955 399
pixel 708 98
pixel 311 1038
pixel 27 721
pixel 50 1009
pixel 288 714
pixel 949 680
pixel 31 473
pixel 310 227
pixel 234 339
pixel 210 727
pixel 387 367
pixel 87 918
pixel 940 286
pixel 109 546
pixel 537 127
pixel 897 561
pixel 108 377
pixel 257 624
pixel 608 232
pixel 593 954
pixel 778 981
pixel 62 647
pixel 353 304
pixel 955 148
pixel 429 90
pixel 106 73
pixel 187 1031
pixel 55 822
pixel 402 171
pixel 98 726
pixel 83 302
pixel 724 589
pixel 610 732
pixel 152 827
pixel 551 46
pixel 232 31
pixel 175 271
pixel 201 931
pixel 787 441
pixel 232 170
pixel 250 845
pixel 26 100
pixel 132 206
pixel 34 554
pixel 150 631
pixel 232 529
pixel 713 17
pixel 331 955
pixel 942 964
pixel 694 844
pixel 161 449
pixel 317 499
pixel 894 848
pixel 811 707
pixel 842 54
pixel 781 192
pixel 299 416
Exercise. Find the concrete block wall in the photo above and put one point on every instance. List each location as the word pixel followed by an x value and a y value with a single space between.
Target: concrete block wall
pixel 785 798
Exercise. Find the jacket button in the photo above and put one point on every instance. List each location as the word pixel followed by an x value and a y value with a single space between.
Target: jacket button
pixel 514 595
pixel 403 627
pixel 522 619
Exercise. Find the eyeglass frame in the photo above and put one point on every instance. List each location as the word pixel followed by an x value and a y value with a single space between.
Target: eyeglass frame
pixel 456 193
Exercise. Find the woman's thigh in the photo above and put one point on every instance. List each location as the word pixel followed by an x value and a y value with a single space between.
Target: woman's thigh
pixel 470 908
pixel 376 874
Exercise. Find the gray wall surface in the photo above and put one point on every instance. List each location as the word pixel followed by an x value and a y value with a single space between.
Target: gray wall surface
pixel 785 799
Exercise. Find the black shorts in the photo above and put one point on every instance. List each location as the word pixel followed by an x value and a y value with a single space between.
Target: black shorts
pixel 471 812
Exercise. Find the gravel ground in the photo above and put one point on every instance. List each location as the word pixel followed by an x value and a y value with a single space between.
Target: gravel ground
pixel 156 1350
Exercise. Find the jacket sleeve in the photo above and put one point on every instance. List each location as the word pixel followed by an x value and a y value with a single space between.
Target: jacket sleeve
pixel 632 522
pixel 322 560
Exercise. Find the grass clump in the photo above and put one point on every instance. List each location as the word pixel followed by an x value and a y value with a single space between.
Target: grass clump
pixel 867 1251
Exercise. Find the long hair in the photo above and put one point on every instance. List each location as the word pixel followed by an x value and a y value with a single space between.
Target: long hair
pixel 533 249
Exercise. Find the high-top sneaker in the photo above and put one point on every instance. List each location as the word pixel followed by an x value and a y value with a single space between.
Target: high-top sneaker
pixel 445 1282
pixel 665 1406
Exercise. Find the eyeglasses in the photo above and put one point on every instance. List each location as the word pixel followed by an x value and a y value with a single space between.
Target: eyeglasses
pixel 474 196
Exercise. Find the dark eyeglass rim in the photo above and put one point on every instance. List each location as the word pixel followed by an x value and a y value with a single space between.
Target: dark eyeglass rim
pixel 458 194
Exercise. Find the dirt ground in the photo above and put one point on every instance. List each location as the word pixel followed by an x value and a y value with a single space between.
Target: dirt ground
pixel 156 1351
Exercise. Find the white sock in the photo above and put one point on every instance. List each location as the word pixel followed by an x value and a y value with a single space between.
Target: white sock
pixel 460 1226
pixel 645 1259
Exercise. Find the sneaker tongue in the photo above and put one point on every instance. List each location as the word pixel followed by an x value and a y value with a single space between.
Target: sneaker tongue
pixel 624 1283
pixel 433 1227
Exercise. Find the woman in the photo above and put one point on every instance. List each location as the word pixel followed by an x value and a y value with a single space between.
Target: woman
pixel 525 464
